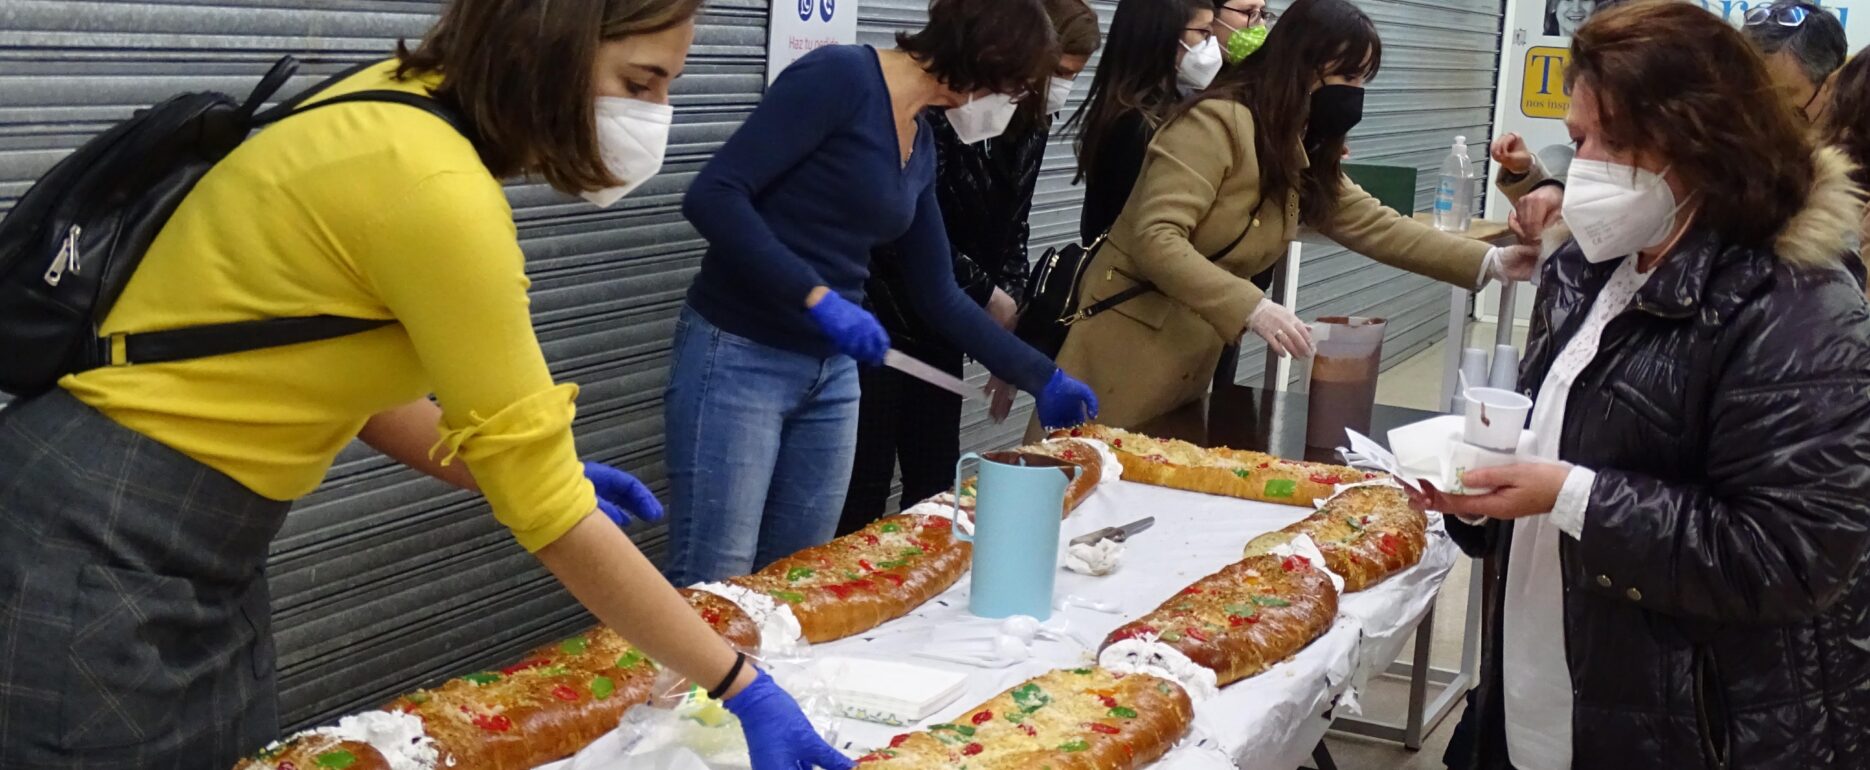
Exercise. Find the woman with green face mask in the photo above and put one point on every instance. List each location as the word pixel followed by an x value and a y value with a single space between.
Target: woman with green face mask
pixel 1241 26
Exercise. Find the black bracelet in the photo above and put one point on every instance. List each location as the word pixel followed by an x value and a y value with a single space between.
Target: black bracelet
pixel 740 660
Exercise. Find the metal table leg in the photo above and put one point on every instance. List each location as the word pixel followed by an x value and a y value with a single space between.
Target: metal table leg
pixel 1321 756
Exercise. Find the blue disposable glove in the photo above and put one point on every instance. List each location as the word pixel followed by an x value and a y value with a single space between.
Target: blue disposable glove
pixel 778 735
pixel 619 495
pixel 1065 402
pixel 852 329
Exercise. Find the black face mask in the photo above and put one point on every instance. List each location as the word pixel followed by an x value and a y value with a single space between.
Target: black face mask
pixel 1336 109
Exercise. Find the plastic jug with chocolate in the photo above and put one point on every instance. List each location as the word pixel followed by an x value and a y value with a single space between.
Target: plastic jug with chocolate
pixel 1344 378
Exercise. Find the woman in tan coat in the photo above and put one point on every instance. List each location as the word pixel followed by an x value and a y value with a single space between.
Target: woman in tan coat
pixel 1234 175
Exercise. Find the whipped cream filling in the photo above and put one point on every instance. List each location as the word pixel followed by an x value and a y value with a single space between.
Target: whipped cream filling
pixel 1305 548
pixel 1096 559
pixel 399 737
pixel 1145 654
pixel 780 631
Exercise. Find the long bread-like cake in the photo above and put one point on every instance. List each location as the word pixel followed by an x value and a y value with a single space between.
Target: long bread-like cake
pixel 1089 461
pixel 556 700
pixel 1366 534
pixel 1245 618
pixel 312 751
pixel 1070 719
pixel 857 582
pixel 1237 473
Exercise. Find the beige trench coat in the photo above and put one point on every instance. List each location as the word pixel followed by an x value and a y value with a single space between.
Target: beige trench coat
pixel 1200 185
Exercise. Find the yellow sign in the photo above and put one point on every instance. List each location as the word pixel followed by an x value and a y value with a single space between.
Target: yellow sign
pixel 1542 94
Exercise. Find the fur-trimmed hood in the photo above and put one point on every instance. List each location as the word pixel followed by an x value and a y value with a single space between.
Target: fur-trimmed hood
pixel 1828 226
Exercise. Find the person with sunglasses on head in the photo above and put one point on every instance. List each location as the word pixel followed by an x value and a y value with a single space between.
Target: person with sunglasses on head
pixel 1803 44
pixel 836 161
pixel 1241 26
pixel 985 189
pixel 1226 185
pixel 138 502
pixel 1681 556
pixel 1158 52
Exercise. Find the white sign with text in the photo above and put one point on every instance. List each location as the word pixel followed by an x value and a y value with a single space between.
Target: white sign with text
pixel 799 26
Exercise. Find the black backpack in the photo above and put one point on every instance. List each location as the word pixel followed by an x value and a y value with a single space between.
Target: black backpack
pixel 70 245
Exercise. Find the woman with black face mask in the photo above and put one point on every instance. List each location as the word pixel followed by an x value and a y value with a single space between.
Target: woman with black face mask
pixel 1224 188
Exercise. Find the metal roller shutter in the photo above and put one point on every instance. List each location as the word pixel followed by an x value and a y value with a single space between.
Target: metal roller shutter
pixel 383 580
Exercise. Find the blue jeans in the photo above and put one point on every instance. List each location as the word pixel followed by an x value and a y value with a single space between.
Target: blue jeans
pixel 760 442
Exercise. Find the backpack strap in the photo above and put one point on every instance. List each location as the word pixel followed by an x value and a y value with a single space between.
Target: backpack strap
pixel 245 336
pixel 1142 288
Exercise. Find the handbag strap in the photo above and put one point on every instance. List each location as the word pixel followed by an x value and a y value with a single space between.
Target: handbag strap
pixel 1142 288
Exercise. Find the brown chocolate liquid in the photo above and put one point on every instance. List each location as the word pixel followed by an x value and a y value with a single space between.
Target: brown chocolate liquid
pixel 1343 392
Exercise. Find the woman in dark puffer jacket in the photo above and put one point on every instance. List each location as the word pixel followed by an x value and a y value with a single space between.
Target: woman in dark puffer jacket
pixel 1702 361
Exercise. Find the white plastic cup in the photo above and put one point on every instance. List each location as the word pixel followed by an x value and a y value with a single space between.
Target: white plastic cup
pixel 1495 418
pixel 1505 373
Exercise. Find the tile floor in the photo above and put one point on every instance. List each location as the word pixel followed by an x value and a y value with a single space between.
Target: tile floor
pixel 1416 383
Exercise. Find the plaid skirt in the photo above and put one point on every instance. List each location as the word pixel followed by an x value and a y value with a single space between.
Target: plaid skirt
pixel 135 624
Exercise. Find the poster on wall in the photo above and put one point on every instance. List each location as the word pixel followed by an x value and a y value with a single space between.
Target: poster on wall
pixel 799 26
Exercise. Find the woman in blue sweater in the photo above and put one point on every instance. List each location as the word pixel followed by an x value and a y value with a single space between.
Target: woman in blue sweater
pixel 761 409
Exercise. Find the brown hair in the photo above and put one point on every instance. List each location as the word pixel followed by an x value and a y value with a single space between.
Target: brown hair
pixel 1846 121
pixel 520 74
pixel 1313 39
pixel 1677 84
pixel 1076 26
pixel 1136 75
pixel 1002 46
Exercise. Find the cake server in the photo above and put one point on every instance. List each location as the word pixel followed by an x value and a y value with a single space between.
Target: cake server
pixel 1118 534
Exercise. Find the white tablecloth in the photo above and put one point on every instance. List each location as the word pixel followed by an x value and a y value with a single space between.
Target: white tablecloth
pixel 1270 721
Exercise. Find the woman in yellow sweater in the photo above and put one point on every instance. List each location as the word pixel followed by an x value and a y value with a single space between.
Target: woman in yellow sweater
pixel 137 502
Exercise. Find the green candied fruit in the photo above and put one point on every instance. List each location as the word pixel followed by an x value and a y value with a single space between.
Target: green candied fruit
pixel 1355 524
pixel 1241 472
pixel 1171 636
pixel 890 528
pixel 1016 717
pixel 1271 601
pixel 574 646
pixel 336 760
pixel 1123 712
pixel 789 597
pixel 1241 610
pixel 1081 671
pixel 554 670
pixel 1281 488
pixel 797 574
pixel 1164 688
pixel 602 687
pixel 952 735
pixel 418 698
pixel 1074 746
pixel 891 564
pixel 631 659
pixel 1030 698
pixel 483 678
pixel 908 552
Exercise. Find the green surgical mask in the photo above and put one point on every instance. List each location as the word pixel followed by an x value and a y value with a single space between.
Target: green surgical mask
pixel 1241 43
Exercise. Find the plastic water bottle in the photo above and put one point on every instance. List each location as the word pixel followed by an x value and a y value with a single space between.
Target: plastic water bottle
pixel 1454 196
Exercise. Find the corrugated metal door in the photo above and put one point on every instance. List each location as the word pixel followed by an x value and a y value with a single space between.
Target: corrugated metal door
pixel 1439 69
pixel 382 579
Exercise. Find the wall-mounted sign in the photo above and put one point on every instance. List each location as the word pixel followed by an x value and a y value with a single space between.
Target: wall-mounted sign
pixel 1542 94
pixel 799 26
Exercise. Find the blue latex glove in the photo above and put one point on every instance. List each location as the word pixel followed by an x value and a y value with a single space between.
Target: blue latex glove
pixel 778 735
pixel 1065 402
pixel 851 328
pixel 619 495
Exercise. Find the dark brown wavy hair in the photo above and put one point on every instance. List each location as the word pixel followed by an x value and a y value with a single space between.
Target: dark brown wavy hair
pixel 1677 84
pixel 1136 74
pixel 1313 39
pixel 1003 46
pixel 1846 121
pixel 520 74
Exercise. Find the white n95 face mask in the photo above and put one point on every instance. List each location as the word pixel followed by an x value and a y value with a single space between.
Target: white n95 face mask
pixel 633 135
pixel 1616 210
pixel 982 119
pixel 1199 66
pixel 1056 95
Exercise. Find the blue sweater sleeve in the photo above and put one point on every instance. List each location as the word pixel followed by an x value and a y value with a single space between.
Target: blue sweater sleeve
pixel 928 269
pixel 803 107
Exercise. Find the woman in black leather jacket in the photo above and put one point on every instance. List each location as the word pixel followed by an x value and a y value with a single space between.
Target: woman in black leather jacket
pixel 986 191
pixel 1711 505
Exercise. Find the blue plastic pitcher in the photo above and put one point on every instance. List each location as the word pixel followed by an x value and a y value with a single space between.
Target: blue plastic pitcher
pixel 1018 502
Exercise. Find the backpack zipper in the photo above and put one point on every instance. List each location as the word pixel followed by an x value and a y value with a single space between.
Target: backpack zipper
pixel 66 259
